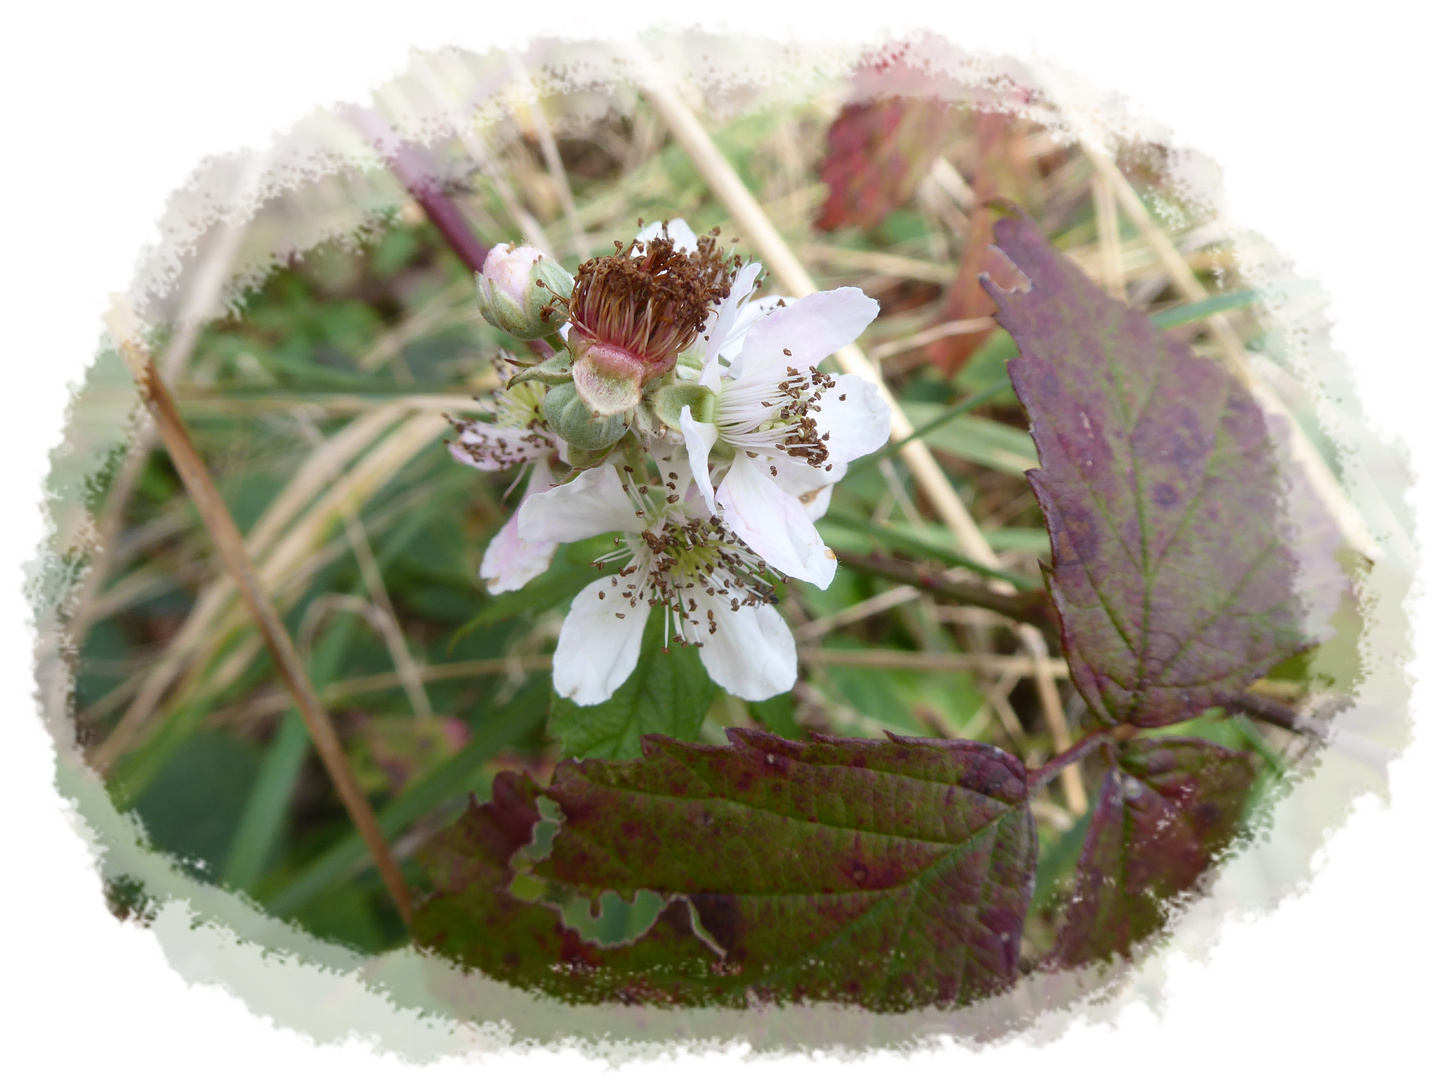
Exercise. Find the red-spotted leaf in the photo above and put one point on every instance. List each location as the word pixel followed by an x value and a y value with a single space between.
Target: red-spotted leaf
pixel 884 874
pixel 1164 811
pixel 1176 571
pixel 878 151
pixel 474 918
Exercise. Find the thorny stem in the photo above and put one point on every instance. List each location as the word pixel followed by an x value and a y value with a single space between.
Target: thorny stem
pixel 1261 708
pixel 1033 608
pixel 413 168
pixel 1277 713
pixel 1080 750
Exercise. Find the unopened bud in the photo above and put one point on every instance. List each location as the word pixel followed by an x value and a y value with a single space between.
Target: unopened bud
pixel 518 290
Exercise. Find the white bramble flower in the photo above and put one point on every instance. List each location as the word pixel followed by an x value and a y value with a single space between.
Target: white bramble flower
pixel 677 555
pixel 789 428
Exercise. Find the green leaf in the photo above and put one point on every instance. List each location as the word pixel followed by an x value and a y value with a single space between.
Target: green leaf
pixel 668 693
pixel 886 874
pixel 191 807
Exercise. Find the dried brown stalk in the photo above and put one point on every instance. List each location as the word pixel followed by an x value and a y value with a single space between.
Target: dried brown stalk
pixel 230 546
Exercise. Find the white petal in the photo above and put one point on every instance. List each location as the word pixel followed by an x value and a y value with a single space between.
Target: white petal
pixel 699 438
pixel 722 327
pixel 810 485
pixel 748 315
pixel 812 328
pixel 509 561
pixel 752 652
pixel 858 425
pixel 597 650
pixel 591 504
pixel 773 522
pixel 680 233
pixel 816 501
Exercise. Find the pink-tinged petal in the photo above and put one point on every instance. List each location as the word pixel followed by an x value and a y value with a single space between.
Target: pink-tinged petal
pixel 773 522
pixel 490 447
pixel 699 438
pixel 752 652
pixel 812 328
pixel 599 643
pixel 591 504
pixel 722 327
pixel 681 235
pixel 856 426
pixel 509 561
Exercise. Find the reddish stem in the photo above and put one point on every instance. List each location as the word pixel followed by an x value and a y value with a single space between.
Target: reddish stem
pixel 413 168
pixel 1082 749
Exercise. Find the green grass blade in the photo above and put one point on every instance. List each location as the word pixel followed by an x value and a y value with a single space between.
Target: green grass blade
pixel 1182 314
pixel 344 859
pixel 263 821
pixel 898 541
pixel 262 824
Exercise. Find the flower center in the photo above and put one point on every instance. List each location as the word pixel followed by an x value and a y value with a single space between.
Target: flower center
pixel 525 435
pixel 766 418
pixel 694 566
pixel 651 298
pixel 519 407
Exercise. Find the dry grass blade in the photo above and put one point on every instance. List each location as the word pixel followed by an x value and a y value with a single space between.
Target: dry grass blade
pixel 200 300
pixel 1015 667
pixel 295 559
pixel 231 547
pixel 320 472
pixel 265 705
pixel 934 333
pixel 1183 278
pixel 730 189
pixel 1107 225
pixel 551 152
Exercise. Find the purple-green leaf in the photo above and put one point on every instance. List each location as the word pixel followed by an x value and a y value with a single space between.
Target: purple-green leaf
pixel 1176 568
pixel 885 874
pixel 1165 809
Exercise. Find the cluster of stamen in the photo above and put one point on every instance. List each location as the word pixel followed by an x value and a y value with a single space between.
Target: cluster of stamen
pixel 690 565
pixel 650 298
pixel 788 407
pixel 518 411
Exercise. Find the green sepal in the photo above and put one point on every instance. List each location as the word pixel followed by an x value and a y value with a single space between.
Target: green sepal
pixel 580 458
pixel 551 372
pixel 669 398
pixel 571 419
